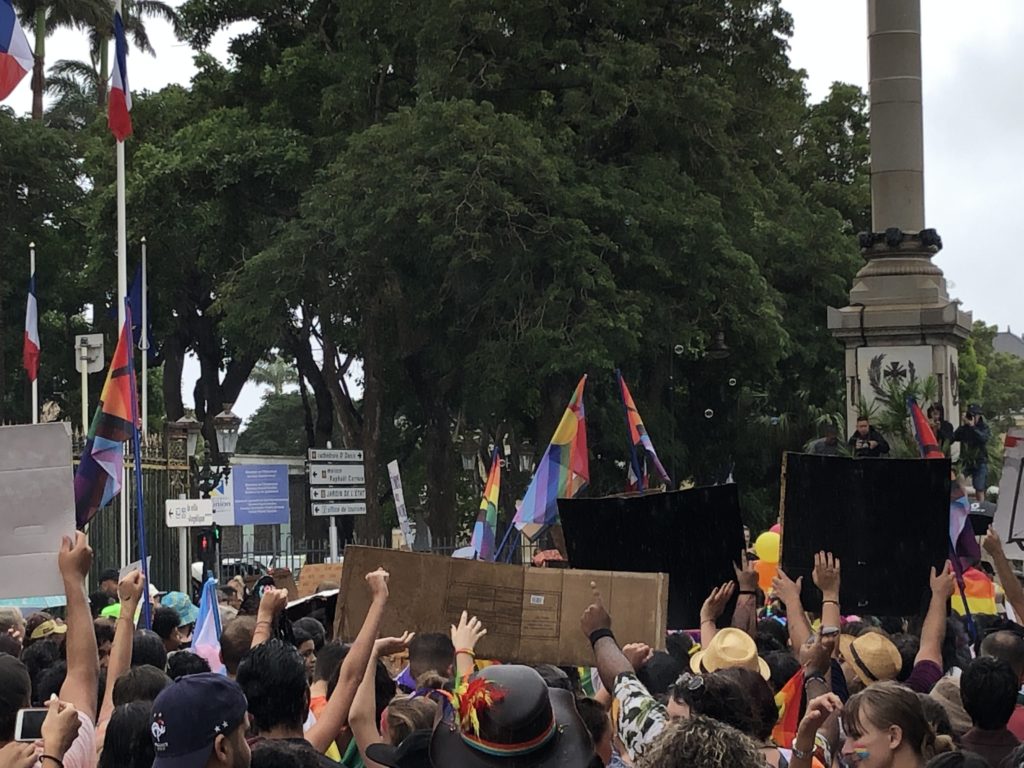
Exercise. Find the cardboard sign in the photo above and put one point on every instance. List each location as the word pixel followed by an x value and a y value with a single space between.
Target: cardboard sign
pixel 315 574
pixel 37 507
pixel 694 536
pixel 886 519
pixel 532 615
pixel 1009 518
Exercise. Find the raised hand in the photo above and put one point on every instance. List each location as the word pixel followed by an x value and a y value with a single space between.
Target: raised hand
pixel 60 727
pixel 273 602
pixel 943 583
pixel 746 576
pixel 992 543
pixel 638 654
pixel 818 711
pixel 715 603
pixel 826 573
pixel 787 589
pixel 129 590
pixel 595 616
pixel 467 634
pixel 816 654
pixel 378 581
pixel 74 558
pixel 388 646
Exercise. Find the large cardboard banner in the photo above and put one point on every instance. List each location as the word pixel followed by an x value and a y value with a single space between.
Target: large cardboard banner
pixel 886 519
pixel 1009 518
pixel 694 536
pixel 532 615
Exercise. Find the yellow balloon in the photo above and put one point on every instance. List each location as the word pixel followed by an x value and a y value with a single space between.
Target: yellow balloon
pixel 767 546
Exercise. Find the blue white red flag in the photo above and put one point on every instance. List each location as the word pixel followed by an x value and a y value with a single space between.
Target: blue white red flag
pixel 15 55
pixel 206 636
pixel 119 101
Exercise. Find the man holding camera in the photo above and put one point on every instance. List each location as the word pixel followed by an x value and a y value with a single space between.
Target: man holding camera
pixel 973 437
pixel 867 441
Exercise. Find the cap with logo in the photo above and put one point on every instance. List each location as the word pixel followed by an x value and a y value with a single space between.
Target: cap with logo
pixel 190 714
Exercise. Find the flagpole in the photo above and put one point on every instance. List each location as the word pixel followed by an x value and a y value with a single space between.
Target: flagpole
pixel 122 292
pixel 144 344
pixel 35 379
pixel 147 621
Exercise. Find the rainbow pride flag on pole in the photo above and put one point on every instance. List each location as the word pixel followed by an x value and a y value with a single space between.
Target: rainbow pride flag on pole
pixel 564 469
pixel 98 477
pixel 485 529
pixel 640 446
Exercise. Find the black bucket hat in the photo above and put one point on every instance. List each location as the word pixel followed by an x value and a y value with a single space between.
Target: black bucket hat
pixel 528 725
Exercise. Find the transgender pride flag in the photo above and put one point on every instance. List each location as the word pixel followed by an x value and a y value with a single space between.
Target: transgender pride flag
pixel 206 636
pixel 15 55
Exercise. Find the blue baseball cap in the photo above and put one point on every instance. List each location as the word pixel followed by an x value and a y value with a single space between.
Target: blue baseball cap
pixel 187 611
pixel 190 714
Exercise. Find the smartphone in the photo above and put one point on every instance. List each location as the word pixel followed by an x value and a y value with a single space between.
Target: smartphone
pixel 29 724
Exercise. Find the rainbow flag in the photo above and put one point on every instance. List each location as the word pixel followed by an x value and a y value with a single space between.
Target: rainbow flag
pixel 98 477
pixel 486 527
pixel 923 433
pixel 564 469
pixel 788 701
pixel 979 591
pixel 640 446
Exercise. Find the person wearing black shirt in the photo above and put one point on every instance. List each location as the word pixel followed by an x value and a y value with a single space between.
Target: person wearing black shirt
pixel 867 441
pixel 973 437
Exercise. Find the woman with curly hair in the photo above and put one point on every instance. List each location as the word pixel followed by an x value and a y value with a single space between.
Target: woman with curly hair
pixel 701 742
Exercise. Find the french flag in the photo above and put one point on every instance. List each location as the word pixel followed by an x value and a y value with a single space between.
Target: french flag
pixel 30 349
pixel 15 55
pixel 119 102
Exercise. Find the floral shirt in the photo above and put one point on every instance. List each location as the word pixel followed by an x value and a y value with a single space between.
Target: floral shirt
pixel 639 718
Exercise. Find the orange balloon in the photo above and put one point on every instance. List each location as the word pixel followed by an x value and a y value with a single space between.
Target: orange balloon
pixel 765 573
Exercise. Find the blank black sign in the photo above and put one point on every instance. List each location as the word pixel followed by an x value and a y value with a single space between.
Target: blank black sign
pixel 886 519
pixel 694 536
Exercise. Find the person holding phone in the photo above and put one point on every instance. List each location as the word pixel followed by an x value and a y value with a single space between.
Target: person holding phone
pixel 867 441
pixel 973 436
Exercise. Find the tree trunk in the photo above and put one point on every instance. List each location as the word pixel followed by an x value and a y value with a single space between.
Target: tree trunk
pixel 299 345
pixel 441 510
pixel 174 361
pixel 38 64
pixel 101 89
pixel 371 526
pixel 307 412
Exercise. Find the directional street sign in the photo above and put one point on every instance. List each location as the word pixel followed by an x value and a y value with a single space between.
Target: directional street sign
pixel 187 513
pixel 337 494
pixel 329 510
pixel 335 454
pixel 336 474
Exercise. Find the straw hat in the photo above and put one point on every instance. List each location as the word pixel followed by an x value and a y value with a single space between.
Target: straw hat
pixel 872 656
pixel 730 648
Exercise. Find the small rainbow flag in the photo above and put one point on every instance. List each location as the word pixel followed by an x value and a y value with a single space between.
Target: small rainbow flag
pixel 486 527
pixel 788 701
pixel 563 471
pixel 979 591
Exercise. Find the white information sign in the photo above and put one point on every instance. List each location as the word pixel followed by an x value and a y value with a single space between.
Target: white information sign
pixel 349 508
pixel 336 474
pixel 189 513
pixel 335 454
pixel 352 493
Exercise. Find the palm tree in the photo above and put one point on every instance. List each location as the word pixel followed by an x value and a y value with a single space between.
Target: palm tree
pixel 133 13
pixel 44 17
pixel 74 86
pixel 274 373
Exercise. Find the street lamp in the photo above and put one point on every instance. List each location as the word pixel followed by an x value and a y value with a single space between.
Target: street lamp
pixel 226 424
pixel 718 350
pixel 527 458
pixel 187 429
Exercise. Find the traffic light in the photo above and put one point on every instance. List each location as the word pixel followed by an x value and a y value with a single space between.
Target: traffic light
pixel 206 548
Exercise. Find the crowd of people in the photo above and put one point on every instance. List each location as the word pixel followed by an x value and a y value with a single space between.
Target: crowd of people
pixel 764 681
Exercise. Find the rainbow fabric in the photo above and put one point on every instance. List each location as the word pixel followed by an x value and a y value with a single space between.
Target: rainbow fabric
pixel 923 432
pixel 788 701
pixel 564 469
pixel 486 527
pixel 98 477
pixel 640 446
pixel 979 591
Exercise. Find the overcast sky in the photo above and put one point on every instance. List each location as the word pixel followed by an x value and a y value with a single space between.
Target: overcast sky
pixel 974 156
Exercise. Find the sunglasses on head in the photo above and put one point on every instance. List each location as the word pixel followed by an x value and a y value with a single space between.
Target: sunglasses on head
pixel 686 682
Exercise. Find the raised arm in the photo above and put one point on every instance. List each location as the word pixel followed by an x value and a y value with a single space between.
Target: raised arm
pixel 744 616
pixel 335 714
pixel 934 628
pixel 79 687
pixel 1011 586
pixel 362 719
pixel 129 592
pixel 826 578
pixel 796 620
pixel 713 607
pixel 464 638
pixel 272 603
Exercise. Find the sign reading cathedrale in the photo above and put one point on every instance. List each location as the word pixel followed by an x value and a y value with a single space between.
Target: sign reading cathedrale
pixel 694 536
pixel 886 519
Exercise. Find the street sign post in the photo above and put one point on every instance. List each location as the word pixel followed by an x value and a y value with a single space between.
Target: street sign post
pixel 188 513
pixel 337 486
